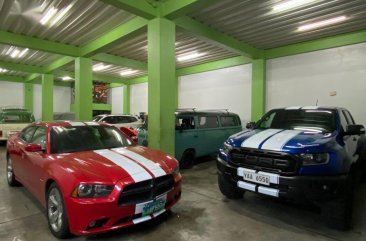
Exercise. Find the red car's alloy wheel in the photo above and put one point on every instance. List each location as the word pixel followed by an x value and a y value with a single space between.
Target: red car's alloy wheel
pixel 56 212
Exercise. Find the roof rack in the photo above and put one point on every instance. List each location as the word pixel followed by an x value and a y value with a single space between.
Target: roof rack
pixel 13 107
pixel 186 109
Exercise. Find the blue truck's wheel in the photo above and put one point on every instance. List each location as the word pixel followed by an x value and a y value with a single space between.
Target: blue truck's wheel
pixel 229 189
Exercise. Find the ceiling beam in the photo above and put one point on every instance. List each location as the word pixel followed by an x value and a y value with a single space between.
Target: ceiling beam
pixel 38 44
pixel 12 78
pixel 120 61
pixel 137 80
pixel 215 37
pixel 21 67
pixel 172 9
pixel 137 7
pixel 214 65
pixel 315 45
pixel 59 63
pixel 124 31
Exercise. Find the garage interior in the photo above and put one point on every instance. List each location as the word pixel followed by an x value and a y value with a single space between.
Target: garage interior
pixel 159 55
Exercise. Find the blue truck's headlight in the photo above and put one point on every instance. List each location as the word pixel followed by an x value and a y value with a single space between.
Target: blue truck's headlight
pixel 314 159
pixel 227 148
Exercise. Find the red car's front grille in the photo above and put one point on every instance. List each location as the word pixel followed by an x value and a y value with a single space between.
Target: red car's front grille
pixel 146 190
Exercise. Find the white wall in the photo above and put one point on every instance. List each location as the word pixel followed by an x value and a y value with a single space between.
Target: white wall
pixel 11 94
pixel 228 88
pixel 138 98
pixel 61 100
pixel 115 97
pixel 307 78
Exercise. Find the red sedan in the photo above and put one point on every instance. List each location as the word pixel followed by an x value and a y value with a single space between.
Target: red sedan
pixel 90 177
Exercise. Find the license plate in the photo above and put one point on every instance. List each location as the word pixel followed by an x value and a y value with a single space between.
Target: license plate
pixel 153 207
pixel 257 178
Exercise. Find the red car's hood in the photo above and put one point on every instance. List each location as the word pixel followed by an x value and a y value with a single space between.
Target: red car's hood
pixel 112 165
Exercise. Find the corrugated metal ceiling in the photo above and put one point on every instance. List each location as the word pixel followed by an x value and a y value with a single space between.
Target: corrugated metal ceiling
pixel 254 22
pixel 250 21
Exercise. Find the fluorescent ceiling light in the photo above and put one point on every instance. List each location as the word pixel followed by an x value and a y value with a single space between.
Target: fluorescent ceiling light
pixel 128 72
pixel 290 4
pixel 49 14
pixel 100 67
pixel 3 70
pixel 189 56
pixel 321 23
pixel 22 53
pixel 16 53
pixel 66 78
pixel 53 15
pixel 61 14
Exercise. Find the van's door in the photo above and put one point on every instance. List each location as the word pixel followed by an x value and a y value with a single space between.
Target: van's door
pixel 186 135
pixel 211 133
pixel 231 124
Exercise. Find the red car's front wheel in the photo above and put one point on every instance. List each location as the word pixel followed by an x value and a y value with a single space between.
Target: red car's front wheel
pixel 56 213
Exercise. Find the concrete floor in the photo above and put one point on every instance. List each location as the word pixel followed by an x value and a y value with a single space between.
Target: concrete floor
pixel 202 214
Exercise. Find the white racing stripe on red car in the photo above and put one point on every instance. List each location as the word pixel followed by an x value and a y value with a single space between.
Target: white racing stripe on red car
pixel 153 167
pixel 255 140
pixel 136 172
pixel 76 123
pixel 142 219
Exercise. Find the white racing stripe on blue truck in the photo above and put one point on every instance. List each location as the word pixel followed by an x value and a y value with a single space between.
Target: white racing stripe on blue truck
pixel 255 140
pixel 136 172
pixel 278 141
pixel 153 167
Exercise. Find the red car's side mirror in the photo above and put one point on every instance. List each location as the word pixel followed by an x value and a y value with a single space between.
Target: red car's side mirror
pixel 33 147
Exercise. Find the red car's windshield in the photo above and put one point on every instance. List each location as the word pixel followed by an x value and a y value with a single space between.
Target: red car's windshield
pixel 84 138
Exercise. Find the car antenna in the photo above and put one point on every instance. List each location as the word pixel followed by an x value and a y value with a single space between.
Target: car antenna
pixel 316 104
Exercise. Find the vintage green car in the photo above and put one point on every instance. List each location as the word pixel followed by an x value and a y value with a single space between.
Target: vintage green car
pixel 13 120
pixel 198 133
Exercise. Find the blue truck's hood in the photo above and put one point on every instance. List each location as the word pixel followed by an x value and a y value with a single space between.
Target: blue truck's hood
pixel 282 140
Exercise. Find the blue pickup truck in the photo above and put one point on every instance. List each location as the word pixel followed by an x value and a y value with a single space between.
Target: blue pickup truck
pixel 301 154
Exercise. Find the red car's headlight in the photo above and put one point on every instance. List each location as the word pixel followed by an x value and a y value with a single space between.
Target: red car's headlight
pixel 175 170
pixel 92 190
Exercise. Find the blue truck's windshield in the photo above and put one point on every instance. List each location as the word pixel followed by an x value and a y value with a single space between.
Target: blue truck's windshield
pixel 314 119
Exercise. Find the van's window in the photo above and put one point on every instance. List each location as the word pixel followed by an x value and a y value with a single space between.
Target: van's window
pixel 208 122
pixel 183 123
pixel 229 121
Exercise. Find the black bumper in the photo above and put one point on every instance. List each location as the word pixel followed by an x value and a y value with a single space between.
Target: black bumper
pixel 300 189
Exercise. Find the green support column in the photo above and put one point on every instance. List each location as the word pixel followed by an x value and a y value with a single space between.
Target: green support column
pixel 28 96
pixel 83 89
pixel 126 99
pixel 162 84
pixel 258 88
pixel 47 97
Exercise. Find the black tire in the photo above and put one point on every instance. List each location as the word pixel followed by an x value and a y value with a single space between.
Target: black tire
pixel 144 143
pixel 229 189
pixel 56 213
pixel 338 212
pixel 10 176
pixel 187 159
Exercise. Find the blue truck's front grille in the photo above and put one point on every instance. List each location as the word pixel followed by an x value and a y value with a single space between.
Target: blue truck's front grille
pixel 270 161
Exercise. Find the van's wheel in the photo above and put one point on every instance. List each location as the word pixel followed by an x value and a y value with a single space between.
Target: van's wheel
pixel 10 173
pixel 56 213
pixel 187 159
pixel 229 189
pixel 144 143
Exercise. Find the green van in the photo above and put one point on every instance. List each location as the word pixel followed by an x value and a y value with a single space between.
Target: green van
pixel 198 133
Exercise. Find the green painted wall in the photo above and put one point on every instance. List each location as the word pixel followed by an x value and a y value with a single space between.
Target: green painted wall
pixel 126 99
pixel 28 96
pixel 47 97
pixel 162 85
pixel 83 89
pixel 258 89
